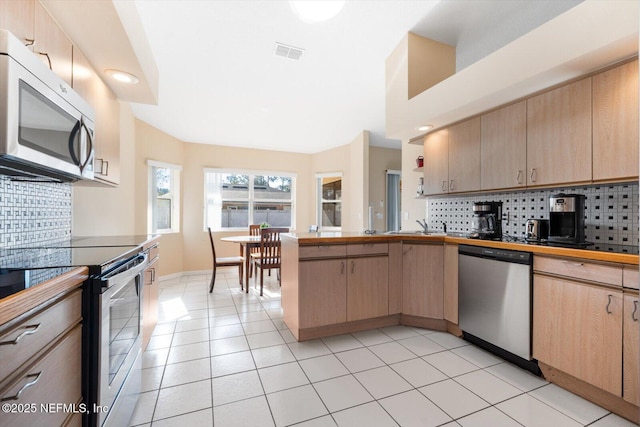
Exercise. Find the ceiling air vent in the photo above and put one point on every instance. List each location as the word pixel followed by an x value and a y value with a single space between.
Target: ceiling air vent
pixel 287 51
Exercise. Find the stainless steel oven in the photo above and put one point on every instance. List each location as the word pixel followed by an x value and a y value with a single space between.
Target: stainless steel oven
pixel 120 341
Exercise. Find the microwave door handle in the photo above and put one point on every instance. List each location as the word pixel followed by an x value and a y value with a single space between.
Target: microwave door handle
pixel 72 137
pixel 89 143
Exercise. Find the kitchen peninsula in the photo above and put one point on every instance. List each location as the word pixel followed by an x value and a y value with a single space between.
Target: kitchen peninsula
pixel 334 283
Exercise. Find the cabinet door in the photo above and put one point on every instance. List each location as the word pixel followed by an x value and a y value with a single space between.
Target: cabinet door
pixel 367 288
pixel 436 162
pixel 630 353
pixel 52 44
pixel 464 156
pixel 422 280
pixel 451 283
pixel 323 297
pixel 18 18
pixel 150 302
pixel 615 123
pixel 504 148
pixel 107 138
pixel 577 329
pixel 559 135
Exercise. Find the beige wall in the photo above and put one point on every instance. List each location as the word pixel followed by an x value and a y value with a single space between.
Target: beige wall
pixel 152 144
pixel 381 160
pixel 109 211
pixel 123 210
pixel 197 249
pixel 352 161
pixel 412 208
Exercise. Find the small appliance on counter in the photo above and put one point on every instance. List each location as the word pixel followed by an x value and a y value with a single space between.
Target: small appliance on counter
pixel 566 219
pixel 487 221
pixel 537 230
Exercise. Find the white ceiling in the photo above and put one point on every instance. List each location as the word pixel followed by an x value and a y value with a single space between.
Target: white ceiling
pixel 220 82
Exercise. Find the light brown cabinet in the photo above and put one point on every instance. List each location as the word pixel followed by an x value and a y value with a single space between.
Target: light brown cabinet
pixel 107 109
pixel 422 280
pixel 452 159
pixel 367 288
pixel 41 353
pixel 150 293
pixel 18 18
pixel 630 352
pixel 325 301
pixel 52 44
pixel 504 148
pixel 436 162
pixel 559 135
pixel 615 123
pixel 451 283
pixel 577 328
pixel 464 156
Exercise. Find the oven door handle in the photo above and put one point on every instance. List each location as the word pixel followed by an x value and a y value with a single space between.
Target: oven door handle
pixel 127 273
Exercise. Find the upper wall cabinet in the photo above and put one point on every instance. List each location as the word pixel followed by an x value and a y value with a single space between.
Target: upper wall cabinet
pixel 504 148
pixel 559 135
pixel 615 123
pixel 18 18
pixel 464 156
pixel 107 137
pixel 52 44
pixel 436 162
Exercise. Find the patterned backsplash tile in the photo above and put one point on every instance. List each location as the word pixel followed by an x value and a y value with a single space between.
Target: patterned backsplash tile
pixel 611 211
pixel 34 212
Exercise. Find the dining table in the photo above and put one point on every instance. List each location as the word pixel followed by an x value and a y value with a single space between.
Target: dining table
pixel 247 243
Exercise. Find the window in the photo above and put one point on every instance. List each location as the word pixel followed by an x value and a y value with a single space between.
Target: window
pixel 235 199
pixel 329 213
pixel 164 197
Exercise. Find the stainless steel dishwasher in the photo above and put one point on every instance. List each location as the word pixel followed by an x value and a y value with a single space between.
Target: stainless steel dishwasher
pixel 495 301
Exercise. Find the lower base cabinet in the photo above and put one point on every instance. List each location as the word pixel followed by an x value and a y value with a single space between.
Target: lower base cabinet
pixel 325 302
pixel 630 353
pixel 422 280
pixel 367 288
pixel 577 328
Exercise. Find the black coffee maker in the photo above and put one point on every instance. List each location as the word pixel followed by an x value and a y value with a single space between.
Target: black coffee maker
pixel 566 219
pixel 486 222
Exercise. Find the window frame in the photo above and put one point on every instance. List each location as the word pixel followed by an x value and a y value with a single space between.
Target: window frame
pixel 251 200
pixel 320 201
pixel 175 199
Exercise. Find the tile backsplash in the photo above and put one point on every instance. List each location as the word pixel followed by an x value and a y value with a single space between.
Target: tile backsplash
pixel 611 211
pixel 34 212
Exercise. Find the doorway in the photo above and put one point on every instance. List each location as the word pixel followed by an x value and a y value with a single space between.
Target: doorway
pixel 393 200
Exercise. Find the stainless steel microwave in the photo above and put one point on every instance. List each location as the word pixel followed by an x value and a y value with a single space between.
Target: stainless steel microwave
pixel 46 128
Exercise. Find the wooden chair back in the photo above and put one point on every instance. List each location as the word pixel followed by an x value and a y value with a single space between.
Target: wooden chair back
pixel 270 246
pixel 254 230
pixel 213 247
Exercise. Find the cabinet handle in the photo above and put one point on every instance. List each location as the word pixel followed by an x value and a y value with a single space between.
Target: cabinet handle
pixel 48 59
pixel 353 266
pixel 634 317
pixel 451 185
pixel 444 185
pixel 24 387
pixel 342 268
pixel 153 275
pixel 519 177
pixel 534 175
pixel 608 304
pixel 30 330
pixel 574 264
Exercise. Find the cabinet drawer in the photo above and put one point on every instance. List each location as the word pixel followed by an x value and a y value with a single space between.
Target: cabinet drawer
pixel 54 378
pixel 154 252
pixel 368 249
pixel 322 251
pixel 630 277
pixel 578 269
pixel 20 342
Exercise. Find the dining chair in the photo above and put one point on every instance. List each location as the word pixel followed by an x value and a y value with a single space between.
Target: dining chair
pixel 232 261
pixel 254 230
pixel 270 250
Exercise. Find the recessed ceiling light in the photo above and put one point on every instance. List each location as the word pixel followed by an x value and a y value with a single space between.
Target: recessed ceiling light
pixel 316 11
pixel 425 127
pixel 122 76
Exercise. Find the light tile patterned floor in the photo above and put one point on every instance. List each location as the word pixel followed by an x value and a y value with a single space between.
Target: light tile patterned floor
pixel 227 359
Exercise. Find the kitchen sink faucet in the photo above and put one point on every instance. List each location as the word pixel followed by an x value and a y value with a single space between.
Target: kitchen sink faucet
pixel 423 224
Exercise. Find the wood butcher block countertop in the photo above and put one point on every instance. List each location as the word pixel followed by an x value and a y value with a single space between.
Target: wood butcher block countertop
pixel 333 238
